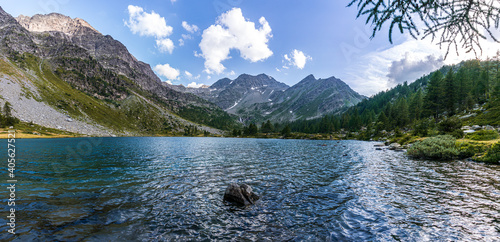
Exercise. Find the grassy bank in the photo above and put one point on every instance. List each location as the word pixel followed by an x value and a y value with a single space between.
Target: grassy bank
pixel 33 131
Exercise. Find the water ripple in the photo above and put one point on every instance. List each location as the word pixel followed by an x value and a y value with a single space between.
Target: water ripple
pixel 171 189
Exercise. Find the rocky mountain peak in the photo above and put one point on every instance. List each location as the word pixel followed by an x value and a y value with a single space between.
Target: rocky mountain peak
pixel 55 22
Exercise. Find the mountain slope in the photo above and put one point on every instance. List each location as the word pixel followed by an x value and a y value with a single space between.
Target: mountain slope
pixel 311 98
pixel 307 99
pixel 260 98
pixel 72 68
pixel 242 92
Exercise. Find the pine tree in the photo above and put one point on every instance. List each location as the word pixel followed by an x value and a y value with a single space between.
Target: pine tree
pixel 266 127
pixel 403 114
pixel 432 100
pixel 286 131
pixel 449 92
pixel 416 105
pixel 482 87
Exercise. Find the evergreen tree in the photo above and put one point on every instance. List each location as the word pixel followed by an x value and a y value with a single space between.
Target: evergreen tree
pixel 267 127
pixel 432 100
pixel 286 131
pixel 251 130
pixel 449 93
pixel 403 116
pixel 416 105
pixel 382 122
pixel 463 88
pixel 7 110
pixel 482 87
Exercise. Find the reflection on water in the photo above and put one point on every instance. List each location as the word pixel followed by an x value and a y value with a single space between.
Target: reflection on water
pixel 172 188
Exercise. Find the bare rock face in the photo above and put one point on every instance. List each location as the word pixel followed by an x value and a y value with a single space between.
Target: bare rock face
pixel 54 22
pixel 242 195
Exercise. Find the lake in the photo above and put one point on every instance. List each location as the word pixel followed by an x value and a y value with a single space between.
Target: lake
pixel 122 189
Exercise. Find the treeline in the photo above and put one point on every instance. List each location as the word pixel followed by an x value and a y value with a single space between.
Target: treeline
pixel 252 130
pixel 6 118
pixel 431 99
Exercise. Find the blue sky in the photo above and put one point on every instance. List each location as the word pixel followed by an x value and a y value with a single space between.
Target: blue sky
pixel 199 42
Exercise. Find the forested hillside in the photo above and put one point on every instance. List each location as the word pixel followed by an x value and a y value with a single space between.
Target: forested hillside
pixel 469 92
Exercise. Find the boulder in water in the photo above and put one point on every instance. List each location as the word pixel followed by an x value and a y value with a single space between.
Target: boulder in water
pixel 240 194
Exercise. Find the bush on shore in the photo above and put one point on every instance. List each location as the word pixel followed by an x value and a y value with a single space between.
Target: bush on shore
pixel 440 147
pixel 483 135
pixel 492 155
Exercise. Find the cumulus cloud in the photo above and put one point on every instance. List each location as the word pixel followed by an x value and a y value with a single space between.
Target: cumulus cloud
pixel 190 76
pixel 233 31
pixel 165 45
pixel 195 85
pixel 409 69
pixel 297 58
pixel 190 28
pixel 151 25
pixel 167 71
pixel 147 24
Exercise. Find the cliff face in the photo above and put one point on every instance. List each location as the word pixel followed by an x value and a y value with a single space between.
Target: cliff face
pixel 55 22
pixel 57 33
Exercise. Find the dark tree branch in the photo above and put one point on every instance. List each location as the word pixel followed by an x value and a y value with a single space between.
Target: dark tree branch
pixel 458 22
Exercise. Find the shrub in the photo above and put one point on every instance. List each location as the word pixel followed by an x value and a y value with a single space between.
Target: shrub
pixel 483 135
pixel 441 147
pixel 451 126
pixel 469 149
pixel 492 155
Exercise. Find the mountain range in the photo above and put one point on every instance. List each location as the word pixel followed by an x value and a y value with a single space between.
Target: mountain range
pixel 260 98
pixel 62 73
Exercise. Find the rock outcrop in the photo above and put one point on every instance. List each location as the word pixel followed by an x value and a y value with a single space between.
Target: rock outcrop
pixel 55 22
pixel 242 195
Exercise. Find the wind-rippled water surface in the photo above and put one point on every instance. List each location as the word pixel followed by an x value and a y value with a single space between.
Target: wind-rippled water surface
pixel 121 189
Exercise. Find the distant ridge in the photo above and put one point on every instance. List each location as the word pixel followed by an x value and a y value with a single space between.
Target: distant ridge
pixel 259 98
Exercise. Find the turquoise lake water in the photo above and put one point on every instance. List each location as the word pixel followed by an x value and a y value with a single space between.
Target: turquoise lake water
pixel 126 189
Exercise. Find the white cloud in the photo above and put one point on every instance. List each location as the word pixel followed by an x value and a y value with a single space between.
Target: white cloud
pixel 190 76
pixel 299 59
pixel 173 1
pixel 165 45
pixel 147 24
pixel 233 31
pixel 232 73
pixel 369 74
pixel 150 24
pixel 195 85
pixel 287 58
pixel 296 58
pixel 167 71
pixel 169 82
pixel 181 42
pixel 190 28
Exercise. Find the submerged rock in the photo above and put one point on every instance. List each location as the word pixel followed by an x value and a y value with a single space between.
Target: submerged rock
pixel 240 194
